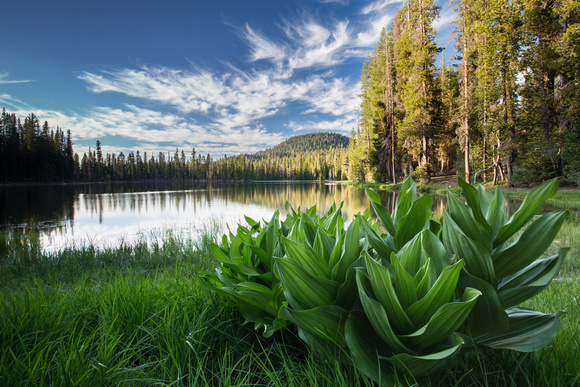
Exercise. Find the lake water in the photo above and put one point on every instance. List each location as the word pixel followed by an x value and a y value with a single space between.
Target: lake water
pixel 106 214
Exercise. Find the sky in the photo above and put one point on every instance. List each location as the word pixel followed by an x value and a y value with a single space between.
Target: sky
pixel 223 77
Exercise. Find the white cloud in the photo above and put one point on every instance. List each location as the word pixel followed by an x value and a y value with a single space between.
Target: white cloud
pixel 11 103
pixel 378 6
pixel 337 97
pixel 261 47
pixel 4 79
pixel 444 19
pixel 154 131
pixel 311 44
pixel 232 100
pixel 343 124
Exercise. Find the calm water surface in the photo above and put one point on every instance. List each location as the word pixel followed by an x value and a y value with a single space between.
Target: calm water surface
pixel 106 214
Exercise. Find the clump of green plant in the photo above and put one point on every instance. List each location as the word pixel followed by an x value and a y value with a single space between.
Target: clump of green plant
pixel 410 311
pixel 402 296
pixel 245 275
pixel 317 276
pixel 508 270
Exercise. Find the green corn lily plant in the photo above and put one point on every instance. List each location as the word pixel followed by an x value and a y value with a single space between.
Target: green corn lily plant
pixel 402 301
pixel 411 215
pixel 245 273
pixel 317 276
pixel 409 312
pixel 506 269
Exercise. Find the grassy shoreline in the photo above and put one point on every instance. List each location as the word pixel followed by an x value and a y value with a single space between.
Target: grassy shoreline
pixel 138 315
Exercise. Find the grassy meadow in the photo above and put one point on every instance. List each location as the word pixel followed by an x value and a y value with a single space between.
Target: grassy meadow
pixel 138 315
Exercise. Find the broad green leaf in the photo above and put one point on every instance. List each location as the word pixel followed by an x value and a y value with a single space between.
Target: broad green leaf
pixel 496 215
pixel 311 211
pixel 259 294
pixel 529 281
pixel 412 256
pixel 435 227
pixel 529 207
pixel 530 245
pixel 307 229
pixel 473 198
pixel 415 221
pixel 382 213
pixel 336 252
pixel 444 322
pixel 350 250
pixel 426 364
pixel 247 270
pixel 422 310
pixel 403 283
pixel 367 349
pixel 384 292
pixel 435 250
pixel 485 198
pixel 347 295
pixel 376 242
pixel 528 331
pixel 332 222
pixel 463 216
pixel 307 257
pixel 407 195
pixel 424 279
pixel 327 242
pixel 256 299
pixel 219 253
pixel 477 258
pixel 325 322
pixel 302 289
pixel 487 314
pixel 271 239
pixel 265 258
pixel 378 317
pixel 253 224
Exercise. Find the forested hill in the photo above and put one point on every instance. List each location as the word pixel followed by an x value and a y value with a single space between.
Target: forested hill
pixel 303 144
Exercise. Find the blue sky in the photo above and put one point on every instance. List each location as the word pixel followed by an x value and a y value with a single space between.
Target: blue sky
pixel 225 77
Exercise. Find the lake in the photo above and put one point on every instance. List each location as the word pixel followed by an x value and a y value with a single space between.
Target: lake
pixel 107 214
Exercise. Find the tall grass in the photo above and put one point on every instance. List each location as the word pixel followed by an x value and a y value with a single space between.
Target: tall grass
pixel 137 315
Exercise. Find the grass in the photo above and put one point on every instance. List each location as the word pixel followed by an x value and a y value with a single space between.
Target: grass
pixel 137 315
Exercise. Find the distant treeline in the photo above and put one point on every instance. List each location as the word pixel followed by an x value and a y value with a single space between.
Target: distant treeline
pixel 31 153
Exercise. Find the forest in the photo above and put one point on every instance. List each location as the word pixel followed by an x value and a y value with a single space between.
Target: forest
pixel 508 104
pixel 30 152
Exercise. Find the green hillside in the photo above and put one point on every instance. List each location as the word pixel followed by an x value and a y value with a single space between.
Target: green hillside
pixel 305 143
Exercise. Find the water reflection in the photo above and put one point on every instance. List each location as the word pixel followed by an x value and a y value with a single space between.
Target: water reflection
pixel 105 214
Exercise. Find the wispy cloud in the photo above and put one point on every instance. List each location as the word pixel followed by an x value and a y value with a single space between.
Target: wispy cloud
pixel 154 131
pixel 379 5
pixel 231 100
pixel 343 124
pixel 309 43
pixel 7 101
pixel 4 79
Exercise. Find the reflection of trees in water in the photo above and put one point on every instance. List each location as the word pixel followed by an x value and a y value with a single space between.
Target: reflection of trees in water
pixel 36 205
pixel 56 204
